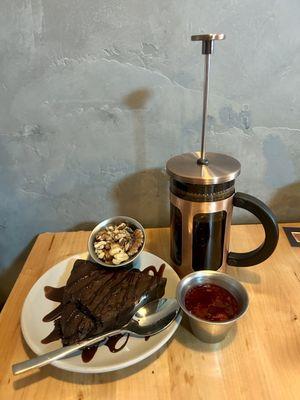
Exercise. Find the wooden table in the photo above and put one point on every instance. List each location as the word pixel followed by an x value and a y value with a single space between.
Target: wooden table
pixel 260 359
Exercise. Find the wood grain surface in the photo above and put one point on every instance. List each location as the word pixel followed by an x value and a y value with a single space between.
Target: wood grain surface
pixel 260 358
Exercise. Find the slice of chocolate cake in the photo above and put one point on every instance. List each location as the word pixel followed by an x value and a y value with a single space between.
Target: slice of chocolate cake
pixel 97 299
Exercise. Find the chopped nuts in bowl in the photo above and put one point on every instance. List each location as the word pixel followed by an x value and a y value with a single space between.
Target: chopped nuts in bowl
pixel 116 241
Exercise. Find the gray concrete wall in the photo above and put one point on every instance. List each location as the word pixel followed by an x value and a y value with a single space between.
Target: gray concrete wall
pixel 96 95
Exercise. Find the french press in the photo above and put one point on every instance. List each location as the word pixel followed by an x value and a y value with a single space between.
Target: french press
pixel 202 197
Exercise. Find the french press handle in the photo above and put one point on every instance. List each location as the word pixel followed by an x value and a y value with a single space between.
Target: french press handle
pixel 268 220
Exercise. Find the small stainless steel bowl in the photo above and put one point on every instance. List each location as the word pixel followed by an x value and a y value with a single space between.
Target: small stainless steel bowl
pixel 114 221
pixel 208 331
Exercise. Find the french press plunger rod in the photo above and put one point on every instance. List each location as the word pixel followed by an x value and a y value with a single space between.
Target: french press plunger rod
pixel 207 49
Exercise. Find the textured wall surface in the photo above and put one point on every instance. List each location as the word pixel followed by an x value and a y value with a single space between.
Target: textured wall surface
pixel 95 96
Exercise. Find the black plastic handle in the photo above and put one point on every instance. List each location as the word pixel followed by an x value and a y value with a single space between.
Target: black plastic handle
pixel 268 220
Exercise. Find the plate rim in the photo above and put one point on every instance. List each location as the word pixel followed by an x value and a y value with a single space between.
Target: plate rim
pixel 85 368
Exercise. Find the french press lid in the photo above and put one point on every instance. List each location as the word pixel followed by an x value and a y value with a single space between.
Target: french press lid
pixel 219 168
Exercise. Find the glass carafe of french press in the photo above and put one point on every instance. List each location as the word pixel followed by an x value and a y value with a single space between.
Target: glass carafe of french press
pixel 202 197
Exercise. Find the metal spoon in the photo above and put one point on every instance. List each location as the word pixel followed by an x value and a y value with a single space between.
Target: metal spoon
pixel 148 320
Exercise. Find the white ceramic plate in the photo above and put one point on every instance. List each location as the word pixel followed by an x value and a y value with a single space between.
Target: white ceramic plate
pixel 36 306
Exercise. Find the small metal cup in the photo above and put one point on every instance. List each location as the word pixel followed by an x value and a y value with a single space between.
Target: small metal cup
pixel 207 331
pixel 115 221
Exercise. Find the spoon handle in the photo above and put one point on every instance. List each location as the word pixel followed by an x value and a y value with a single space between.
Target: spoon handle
pixel 54 355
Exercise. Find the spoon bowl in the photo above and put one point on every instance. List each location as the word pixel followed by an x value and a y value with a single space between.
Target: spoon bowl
pixel 153 317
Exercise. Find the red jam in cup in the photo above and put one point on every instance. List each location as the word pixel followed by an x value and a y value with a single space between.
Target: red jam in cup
pixel 211 303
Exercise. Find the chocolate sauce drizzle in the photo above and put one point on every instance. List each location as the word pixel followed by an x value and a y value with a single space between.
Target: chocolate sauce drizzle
pixel 54 335
pixel 56 294
pixel 158 273
pixel 88 353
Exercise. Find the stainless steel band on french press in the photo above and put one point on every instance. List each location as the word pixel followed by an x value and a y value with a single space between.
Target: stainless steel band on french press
pixel 189 210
